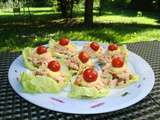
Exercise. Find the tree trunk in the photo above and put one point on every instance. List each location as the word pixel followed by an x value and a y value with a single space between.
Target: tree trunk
pixel 63 8
pixel 100 6
pixel 88 18
pixel 71 8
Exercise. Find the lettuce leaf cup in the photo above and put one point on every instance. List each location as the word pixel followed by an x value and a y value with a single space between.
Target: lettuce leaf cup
pixel 63 48
pixel 79 62
pixel 121 75
pixel 44 80
pixel 93 49
pixel 27 62
pixel 35 57
pixel 120 50
pixel 90 87
pixel 114 50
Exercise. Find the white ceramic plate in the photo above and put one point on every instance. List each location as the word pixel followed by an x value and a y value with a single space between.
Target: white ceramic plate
pixel 117 99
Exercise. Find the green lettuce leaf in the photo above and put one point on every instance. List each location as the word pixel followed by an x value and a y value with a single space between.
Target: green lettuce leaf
pixel 89 92
pixel 43 84
pixel 134 79
pixel 25 81
pixel 40 84
pixel 25 54
pixel 52 51
pixel 124 49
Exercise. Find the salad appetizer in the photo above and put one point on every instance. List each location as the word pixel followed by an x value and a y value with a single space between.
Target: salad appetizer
pixel 51 78
pixel 50 69
pixel 112 51
pixel 93 49
pixel 121 75
pixel 89 84
pixel 33 58
pixel 63 48
pixel 79 62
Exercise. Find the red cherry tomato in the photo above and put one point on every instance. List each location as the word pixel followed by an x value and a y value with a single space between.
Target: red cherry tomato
pixel 54 65
pixel 117 62
pixel 41 49
pixel 83 56
pixel 64 41
pixel 112 47
pixel 94 46
pixel 90 75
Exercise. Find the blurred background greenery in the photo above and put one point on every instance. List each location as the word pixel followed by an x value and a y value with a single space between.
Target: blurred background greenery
pixel 31 22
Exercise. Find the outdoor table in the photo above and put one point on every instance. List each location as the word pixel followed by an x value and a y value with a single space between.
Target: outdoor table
pixel 13 107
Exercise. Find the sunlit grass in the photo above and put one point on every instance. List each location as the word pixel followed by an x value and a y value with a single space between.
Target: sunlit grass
pixel 125 19
pixel 33 11
pixel 113 26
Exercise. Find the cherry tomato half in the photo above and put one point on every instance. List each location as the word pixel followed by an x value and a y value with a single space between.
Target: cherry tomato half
pixel 54 66
pixel 64 41
pixel 117 62
pixel 90 75
pixel 112 47
pixel 95 46
pixel 41 49
pixel 83 56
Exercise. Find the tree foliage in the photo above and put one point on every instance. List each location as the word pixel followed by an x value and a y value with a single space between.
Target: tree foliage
pixel 66 7
pixel 145 5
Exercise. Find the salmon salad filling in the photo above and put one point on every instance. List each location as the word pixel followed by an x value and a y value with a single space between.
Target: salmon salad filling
pixel 121 75
pixel 63 48
pixel 33 58
pixel 79 62
pixel 89 84
pixel 114 50
pixel 93 49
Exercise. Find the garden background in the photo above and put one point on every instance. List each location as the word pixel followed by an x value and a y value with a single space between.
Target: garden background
pixel 32 22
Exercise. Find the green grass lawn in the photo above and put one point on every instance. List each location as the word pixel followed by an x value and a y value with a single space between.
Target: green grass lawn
pixel 114 25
